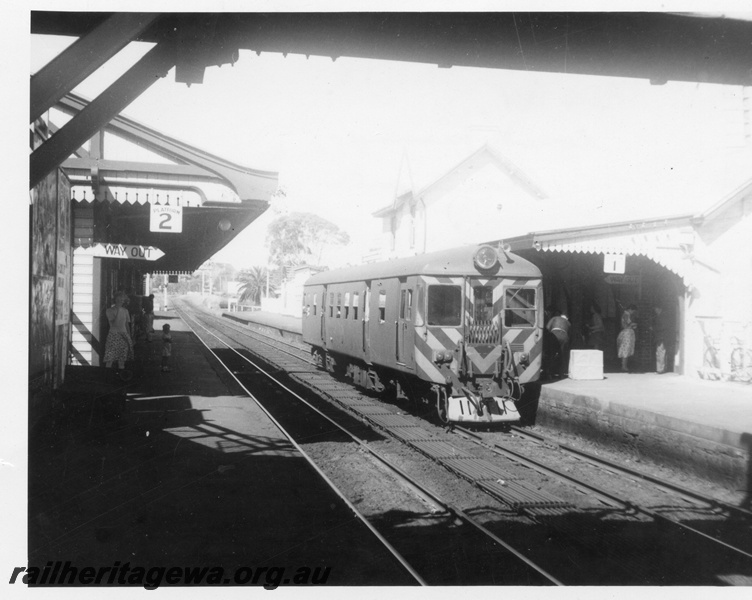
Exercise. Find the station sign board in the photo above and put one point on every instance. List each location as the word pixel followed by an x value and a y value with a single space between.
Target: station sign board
pixel 123 251
pixel 166 219
pixel 614 263
pixel 618 279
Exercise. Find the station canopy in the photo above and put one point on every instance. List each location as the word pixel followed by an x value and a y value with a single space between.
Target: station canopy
pixel 216 199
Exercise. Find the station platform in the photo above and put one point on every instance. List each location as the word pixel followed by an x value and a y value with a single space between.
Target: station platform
pixel 286 326
pixel 695 426
pixel 183 469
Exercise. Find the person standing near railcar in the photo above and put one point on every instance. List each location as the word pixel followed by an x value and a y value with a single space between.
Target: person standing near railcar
pixel 560 327
pixel 595 328
pixel 119 345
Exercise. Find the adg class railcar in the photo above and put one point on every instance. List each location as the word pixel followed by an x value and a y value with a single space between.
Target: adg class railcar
pixel 460 330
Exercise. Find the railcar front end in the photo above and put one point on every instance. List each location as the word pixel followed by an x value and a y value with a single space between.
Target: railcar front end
pixel 460 330
pixel 479 343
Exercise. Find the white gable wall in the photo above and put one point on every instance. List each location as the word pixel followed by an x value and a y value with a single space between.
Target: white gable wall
pixel 719 306
pixel 478 201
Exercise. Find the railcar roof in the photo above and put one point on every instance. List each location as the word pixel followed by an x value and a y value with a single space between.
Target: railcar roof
pixel 454 262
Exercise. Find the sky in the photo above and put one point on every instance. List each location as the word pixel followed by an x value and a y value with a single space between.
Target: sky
pixel 336 131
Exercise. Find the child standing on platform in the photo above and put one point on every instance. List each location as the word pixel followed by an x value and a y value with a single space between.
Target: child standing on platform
pixel 166 347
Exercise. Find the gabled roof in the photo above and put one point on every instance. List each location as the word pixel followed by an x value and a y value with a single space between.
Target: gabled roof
pixel 741 193
pixel 194 164
pixel 419 173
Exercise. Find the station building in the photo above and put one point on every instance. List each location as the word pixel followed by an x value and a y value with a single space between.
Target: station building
pixel 696 266
pixel 100 224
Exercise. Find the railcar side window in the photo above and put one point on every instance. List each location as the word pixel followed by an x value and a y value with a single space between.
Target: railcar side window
pixel 356 305
pixel 339 305
pixel 347 305
pixel 444 305
pixel 382 306
pixel 519 307
pixel 419 306
pixel 331 304
pixel 315 298
pixel 406 305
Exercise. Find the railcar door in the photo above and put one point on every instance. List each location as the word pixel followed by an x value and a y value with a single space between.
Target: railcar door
pixel 366 318
pixel 382 324
pixel 405 331
pixel 324 308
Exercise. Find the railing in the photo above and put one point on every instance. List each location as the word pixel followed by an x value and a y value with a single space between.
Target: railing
pixel 726 356
pixel 483 332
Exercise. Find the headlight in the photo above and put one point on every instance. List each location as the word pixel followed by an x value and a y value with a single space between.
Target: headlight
pixel 485 258
pixel 440 356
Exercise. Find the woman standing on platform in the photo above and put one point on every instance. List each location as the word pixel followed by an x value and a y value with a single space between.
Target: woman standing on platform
pixel 625 341
pixel 119 345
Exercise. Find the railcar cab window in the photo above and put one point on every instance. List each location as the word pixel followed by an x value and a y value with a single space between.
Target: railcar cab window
pixel 444 305
pixel 519 307
pixel 482 304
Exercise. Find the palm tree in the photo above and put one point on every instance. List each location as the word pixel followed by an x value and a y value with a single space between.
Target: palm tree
pixel 255 284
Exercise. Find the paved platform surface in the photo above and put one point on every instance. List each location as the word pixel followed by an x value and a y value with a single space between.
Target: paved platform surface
pixel 704 427
pixel 182 469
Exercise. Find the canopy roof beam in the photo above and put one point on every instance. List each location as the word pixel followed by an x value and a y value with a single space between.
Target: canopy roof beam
pixel 83 57
pixel 154 65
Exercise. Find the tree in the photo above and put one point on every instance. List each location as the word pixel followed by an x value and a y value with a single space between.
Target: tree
pixel 255 282
pixel 299 238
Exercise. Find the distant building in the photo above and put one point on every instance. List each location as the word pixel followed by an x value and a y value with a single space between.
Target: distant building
pixel 290 299
pixel 483 196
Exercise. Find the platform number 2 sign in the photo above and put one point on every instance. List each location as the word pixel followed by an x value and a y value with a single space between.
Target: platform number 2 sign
pixel 166 219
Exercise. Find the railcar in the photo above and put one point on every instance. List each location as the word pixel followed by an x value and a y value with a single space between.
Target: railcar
pixel 460 330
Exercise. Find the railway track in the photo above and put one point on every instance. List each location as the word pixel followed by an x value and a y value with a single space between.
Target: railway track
pixel 521 484
pixel 517 570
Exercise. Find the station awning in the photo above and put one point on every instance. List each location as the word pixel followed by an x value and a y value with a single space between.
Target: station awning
pixel 205 231
pixel 217 198
pixel 668 242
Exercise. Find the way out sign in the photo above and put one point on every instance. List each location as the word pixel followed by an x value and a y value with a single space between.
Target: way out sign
pixel 166 219
pixel 126 251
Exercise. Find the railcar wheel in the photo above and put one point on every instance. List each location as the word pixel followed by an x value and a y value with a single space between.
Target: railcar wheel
pixel 318 359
